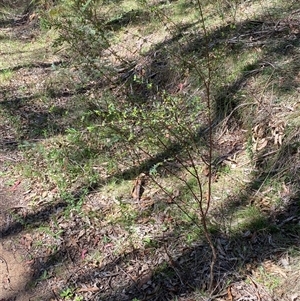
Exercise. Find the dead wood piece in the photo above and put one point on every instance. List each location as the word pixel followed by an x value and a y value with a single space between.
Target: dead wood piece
pixel 139 187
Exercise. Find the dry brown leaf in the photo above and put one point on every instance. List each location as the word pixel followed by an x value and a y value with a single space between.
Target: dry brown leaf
pixel 145 279
pixel 230 297
pixel 26 240
pixel 278 132
pixel 261 144
pixel 271 267
pixel 73 242
pixel 205 171
pixel 88 289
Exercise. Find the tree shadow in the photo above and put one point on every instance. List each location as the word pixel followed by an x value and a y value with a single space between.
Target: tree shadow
pixel 185 270
pixel 132 17
pixel 32 122
pixel 175 270
pixel 41 65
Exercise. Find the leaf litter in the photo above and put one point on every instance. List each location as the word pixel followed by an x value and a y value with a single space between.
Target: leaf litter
pixel 104 253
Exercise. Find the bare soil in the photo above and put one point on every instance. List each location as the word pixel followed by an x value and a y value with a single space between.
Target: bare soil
pixel 14 272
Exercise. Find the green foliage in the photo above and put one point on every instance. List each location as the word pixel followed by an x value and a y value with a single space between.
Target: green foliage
pixel 251 219
pixel 154 126
pixel 82 30
pixel 5 75
pixel 86 29
pixel 67 293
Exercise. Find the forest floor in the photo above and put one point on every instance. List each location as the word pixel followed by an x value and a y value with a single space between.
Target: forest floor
pixel 95 242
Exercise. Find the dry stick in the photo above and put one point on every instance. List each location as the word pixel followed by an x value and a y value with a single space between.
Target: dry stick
pixel 204 212
pixel 199 199
pixel 224 122
pixel 170 195
pixel 171 172
pixel 173 264
pixel 55 295
pixel 207 83
pixel 179 178
pixel 197 176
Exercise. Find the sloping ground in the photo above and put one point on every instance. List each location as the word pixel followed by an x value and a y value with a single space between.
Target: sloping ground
pixel 96 242
pixel 14 274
